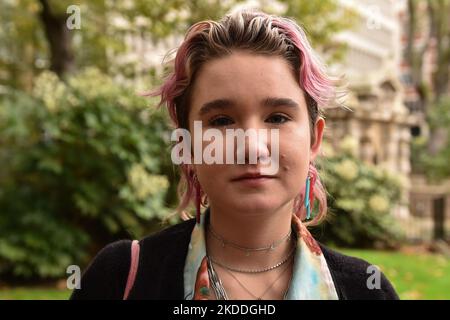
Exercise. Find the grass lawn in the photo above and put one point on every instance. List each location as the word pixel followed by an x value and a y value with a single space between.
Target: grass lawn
pixel 414 276
pixel 31 293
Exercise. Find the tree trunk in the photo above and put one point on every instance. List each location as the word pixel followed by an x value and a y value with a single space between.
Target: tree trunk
pixel 442 34
pixel 437 15
pixel 59 40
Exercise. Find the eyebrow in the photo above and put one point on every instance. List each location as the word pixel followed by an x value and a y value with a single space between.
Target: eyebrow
pixel 221 104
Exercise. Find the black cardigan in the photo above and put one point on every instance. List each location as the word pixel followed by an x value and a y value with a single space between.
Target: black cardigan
pixel 161 265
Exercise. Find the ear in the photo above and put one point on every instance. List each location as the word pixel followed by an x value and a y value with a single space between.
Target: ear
pixel 318 130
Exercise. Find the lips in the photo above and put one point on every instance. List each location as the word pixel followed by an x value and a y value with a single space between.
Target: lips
pixel 252 176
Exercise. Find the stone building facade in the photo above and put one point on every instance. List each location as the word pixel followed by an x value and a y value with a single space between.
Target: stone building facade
pixel 384 113
pixel 379 121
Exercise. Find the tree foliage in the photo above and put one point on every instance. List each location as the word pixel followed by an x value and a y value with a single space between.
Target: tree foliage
pixel 84 159
pixel 81 163
pixel 107 27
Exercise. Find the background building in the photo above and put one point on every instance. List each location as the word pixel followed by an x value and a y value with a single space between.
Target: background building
pixel 386 109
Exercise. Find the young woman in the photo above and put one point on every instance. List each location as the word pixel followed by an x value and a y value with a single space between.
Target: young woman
pixel 248 71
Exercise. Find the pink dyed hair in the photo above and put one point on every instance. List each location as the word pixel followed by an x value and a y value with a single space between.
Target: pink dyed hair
pixel 258 33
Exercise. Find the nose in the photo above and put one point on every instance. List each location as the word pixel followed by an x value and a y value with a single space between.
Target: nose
pixel 255 149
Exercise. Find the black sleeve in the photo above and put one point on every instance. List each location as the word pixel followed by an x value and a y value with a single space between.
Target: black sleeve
pixel 389 292
pixel 353 285
pixel 106 276
pixel 351 276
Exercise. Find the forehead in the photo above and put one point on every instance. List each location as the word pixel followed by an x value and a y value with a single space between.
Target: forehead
pixel 245 77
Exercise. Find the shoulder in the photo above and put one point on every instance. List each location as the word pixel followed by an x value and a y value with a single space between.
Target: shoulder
pixel 170 234
pixel 356 278
pixel 173 241
pixel 342 263
pixel 161 262
pixel 106 275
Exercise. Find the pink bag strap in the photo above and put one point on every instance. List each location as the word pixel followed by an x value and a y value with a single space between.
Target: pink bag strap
pixel 133 268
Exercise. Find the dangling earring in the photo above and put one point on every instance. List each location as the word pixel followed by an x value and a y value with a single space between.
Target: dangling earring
pixel 198 198
pixel 306 201
pixel 309 192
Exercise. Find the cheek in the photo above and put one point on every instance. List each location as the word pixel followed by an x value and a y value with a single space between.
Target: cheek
pixel 294 157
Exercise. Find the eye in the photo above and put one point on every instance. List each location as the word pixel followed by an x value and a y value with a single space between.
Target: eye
pixel 220 121
pixel 277 119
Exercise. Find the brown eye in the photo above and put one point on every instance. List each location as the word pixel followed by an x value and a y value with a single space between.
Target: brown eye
pixel 277 119
pixel 220 121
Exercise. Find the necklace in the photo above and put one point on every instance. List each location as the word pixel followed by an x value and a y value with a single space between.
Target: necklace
pixel 279 264
pixel 265 291
pixel 216 283
pixel 270 247
pixel 220 291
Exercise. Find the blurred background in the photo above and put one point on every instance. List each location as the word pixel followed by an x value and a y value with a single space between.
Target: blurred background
pixel 85 160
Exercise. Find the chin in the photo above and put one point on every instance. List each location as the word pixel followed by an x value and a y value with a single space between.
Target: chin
pixel 256 204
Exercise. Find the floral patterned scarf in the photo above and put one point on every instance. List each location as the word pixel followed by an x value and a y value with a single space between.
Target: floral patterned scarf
pixel 311 278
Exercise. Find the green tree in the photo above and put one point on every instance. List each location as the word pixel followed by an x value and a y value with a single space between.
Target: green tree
pixel 84 159
pixel 36 38
pixel 430 92
pixel 81 163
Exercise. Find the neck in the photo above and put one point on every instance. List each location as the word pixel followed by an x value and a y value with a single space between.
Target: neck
pixel 250 230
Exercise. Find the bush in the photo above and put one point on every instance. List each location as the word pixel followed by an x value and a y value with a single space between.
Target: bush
pixel 361 199
pixel 80 164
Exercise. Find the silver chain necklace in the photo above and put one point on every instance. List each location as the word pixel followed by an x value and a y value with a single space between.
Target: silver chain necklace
pixel 219 289
pixel 260 297
pixel 216 283
pixel 270 247
pixel 279 264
